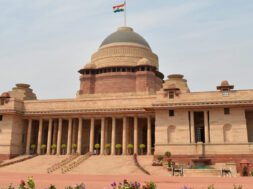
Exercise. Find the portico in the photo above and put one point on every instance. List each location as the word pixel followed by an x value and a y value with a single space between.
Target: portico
pixel 124 130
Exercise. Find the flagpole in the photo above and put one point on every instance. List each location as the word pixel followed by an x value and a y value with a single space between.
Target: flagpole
pixel 125 14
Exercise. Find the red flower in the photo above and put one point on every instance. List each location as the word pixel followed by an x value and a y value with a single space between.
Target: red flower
pixel 148 186
pixel 23 182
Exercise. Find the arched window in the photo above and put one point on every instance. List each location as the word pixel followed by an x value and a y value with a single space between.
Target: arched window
pixel 227 133
pixel 171 134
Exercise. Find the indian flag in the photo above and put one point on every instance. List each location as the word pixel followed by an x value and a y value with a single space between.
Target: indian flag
pixel 119 8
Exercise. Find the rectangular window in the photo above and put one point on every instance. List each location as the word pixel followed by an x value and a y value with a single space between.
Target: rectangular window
pixel 171 95
pixel 171 113
pixel 226 111
pixel 1 117
pixel 225 92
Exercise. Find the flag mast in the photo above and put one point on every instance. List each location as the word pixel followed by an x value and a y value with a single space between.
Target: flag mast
pixel 125 15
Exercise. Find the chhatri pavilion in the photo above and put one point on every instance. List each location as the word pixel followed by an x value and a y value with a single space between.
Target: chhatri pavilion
pixel 125 99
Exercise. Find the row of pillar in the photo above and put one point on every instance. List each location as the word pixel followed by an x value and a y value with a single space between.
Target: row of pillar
pixel 92 130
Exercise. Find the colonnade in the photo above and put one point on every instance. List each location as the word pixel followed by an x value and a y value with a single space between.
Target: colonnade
pixel 53 123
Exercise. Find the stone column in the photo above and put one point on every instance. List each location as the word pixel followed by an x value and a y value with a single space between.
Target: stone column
pixel 102 146
pixel 149 135
pixel 49 136
pixel 124 136
pixel 40 136
pixel 106 131
pixel 55 132
pixel 69 137
pixel 79 140
pixel 28 140
pixel 206 127
pixel 136 135
pixel 74 131
pixel 92 128
pixel 59 137
pixel 113 136
pixel 192 128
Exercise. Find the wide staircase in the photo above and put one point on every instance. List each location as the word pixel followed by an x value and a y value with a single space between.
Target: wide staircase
pixel 74 162
pixel 86 164
pixel 38 164
pixel 107 165
pixel 61 164
pixel 117 165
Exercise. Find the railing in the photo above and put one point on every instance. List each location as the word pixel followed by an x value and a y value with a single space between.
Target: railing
pixel 62 163
pixel 17 161
pixel 139 166
pixel 76 163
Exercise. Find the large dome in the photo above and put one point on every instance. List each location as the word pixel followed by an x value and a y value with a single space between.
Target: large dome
pixel 127 35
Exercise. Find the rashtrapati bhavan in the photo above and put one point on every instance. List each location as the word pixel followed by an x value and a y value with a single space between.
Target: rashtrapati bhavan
pixel 125 99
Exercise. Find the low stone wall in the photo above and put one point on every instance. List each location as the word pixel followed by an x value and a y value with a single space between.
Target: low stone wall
pixel 215 158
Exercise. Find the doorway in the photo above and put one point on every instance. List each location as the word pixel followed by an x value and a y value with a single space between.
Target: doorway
pixel 199 127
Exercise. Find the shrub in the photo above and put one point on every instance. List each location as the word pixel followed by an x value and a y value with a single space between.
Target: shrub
pixel 33 146
pixel 63 146
pixel 43 146
pixel 142 146
pixel 169 164
pixel 108 146
pixel 149 185
pixel 74 146
pixel 168 154
pixel 77 186
pixel 133 185
pixel 53 146
pixel 130 146
pixel 239 187
pixel 97 146
pixel 118 146
pixel 160 158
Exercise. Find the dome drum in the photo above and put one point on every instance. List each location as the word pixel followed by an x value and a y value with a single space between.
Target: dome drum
pixel 93 71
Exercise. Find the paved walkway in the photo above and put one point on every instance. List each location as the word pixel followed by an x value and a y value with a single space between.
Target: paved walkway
pixel 104 181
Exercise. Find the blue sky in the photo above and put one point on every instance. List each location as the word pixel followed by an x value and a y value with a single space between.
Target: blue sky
pixel 45 42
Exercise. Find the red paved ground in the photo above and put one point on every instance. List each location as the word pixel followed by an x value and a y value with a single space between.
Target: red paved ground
pixel 101 182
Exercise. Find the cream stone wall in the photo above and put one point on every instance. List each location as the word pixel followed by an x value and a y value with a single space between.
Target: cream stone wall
pixel 178 141
pixel 206 97
pixel 17 138
pixel 179 123
pixel 12 128
pixel 5 134
pixel 237 122
pixel 208 149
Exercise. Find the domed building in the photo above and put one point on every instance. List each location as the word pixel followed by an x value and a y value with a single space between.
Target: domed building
pixel 124 63
pixel 124 99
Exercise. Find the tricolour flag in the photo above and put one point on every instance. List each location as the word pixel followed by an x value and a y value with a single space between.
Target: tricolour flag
pixel 119 8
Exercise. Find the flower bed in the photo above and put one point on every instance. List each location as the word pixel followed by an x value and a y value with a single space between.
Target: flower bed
pixel 30 184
